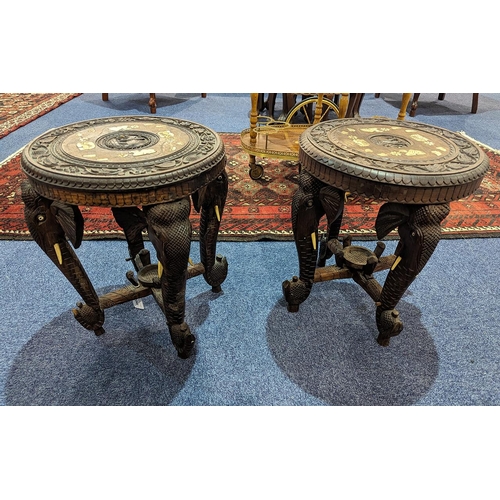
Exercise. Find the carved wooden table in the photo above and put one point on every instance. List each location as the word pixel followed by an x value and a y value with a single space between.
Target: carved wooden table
pixel 416 169
pixel 147 170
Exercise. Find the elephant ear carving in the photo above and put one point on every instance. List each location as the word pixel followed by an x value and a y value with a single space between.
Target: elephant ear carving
pixel 332 201
pixel 71 220
pixel 389 217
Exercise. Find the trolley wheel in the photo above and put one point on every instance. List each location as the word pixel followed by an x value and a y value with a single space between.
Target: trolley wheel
pixel 256 172
pixel 304 111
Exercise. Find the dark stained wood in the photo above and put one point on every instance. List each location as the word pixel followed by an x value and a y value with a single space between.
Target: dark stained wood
pixel 416 169
pixel 147 170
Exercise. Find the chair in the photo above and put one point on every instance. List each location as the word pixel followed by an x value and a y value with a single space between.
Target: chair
pixel 269 138
pixel 414 104
pixel 152 101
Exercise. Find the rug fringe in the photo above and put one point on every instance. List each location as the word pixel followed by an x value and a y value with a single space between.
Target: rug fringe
pixel 19 151
pixel 485 146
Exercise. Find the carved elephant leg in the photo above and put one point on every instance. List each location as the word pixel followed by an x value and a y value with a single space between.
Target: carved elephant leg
pixel 307 211
pixel 332 200
pixel 51 224
pixel 419 227
pixel 210 201
pixel 169 229
pixel 133 222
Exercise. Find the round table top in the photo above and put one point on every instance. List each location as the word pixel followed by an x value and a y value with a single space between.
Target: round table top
pixel 123 161
pixel 391 160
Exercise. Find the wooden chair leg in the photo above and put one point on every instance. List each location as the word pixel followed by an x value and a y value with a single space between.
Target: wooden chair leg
pixel 475 102
pixel 267 104
pixel 343 104
pixel 414 104
pixel 271 102
pixel 260 102
pixel 404 105
pixel 152 103
pixel 289 101
pixel 355 101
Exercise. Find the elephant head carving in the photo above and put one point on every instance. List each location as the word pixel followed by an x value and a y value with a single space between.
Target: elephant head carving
pixel 53 225
pixel 419 228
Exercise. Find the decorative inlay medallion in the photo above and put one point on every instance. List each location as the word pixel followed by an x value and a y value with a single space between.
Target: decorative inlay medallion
pixel 127 140
pixel 390 141
pixel 124 142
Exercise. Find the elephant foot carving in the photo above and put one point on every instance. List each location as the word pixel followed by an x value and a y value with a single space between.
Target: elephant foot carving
pixel 296 292
pixel 389 325
pixel 217 274
pixel 183 339
pixel 89 318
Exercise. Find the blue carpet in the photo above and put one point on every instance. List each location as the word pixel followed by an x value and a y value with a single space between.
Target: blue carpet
pixel 250 350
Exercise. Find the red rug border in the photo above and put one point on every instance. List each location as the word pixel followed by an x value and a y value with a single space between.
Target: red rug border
pixel 39 110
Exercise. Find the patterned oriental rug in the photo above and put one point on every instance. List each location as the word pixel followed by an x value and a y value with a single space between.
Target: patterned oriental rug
pixel 17 110
pixel 258 210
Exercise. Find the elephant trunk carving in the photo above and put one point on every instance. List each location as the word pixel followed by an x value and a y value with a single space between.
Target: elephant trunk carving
pixel 170 232
pixel 332 200
pixel 210 201
pixel 51 224
pixel 307 211
pixel 419 227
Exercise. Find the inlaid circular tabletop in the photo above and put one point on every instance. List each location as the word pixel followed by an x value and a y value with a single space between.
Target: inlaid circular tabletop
pixel 393 160
pixel 140 154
